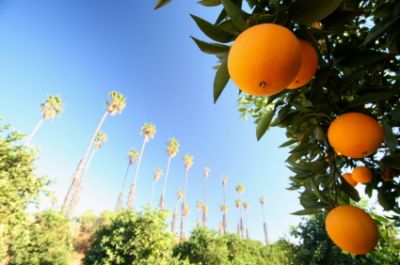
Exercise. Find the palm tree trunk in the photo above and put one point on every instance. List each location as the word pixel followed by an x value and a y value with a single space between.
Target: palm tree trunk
pixel 224 223
pixel 246 224
pixel 35 129
pixel 81 166
pixel 121 196
pixel 264 226
pixel 77 193
pixel 182 235
pixel 152 193
pixel 132 193
pixel 174 217
pixel 162 198
pixel 205 204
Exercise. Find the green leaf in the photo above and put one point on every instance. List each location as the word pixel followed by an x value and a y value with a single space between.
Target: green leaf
pixel 211 48
pixel 392 161
pixel 390 138
pixel 349 190
pixel 161 3
pixel 309 211
pixel 372 97
pixel 210 2
pixel 220 81
pixel 308 11
pixel 289 142
pixel 263 123
pixel 212 31
pixel 235 13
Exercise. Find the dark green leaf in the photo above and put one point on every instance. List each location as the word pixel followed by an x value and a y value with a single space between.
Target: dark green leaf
pixel 379 29
pixel 263 124
pixel 308 11
pixel 392 161
pixel 235 13
pixel 211 48
pixel 161 3
pixel 372 97
pixel 210 2
pixel 390 138
pixel 287 143
pixel 349 190
pixel 212 31
pixel 220 81
pixel 309 211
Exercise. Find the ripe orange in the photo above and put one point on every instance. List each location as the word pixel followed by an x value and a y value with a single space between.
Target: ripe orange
pixel 352 229
pixel 264 59
pixel 355 135
pixel 309 63
pixel 362 174
pixel 349 179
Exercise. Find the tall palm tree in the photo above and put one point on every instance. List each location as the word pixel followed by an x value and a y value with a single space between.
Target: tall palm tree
pixel 148 131
pixel 224 209
pixel 100 139
pixel 206 172
pixel 50 108
pixel 115 105
pixel 179 197
pixel 172 151
pixel 156 177
pixel 238 205
pixel 262 202
pixel 245 206
pixel 188 163
pixel 224 215
pixel 240 190
pixel 133 157
pixel 185 213
pixel 200 207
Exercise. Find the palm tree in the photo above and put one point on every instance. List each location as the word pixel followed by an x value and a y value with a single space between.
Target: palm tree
pixel 206 171
pixel 224 209
pixel 188 163
pixel 185 213
pixel 179 197
pixel 262 202
pixel 245 206
pixel 148 131
pixel 133 157
pixel 238 205
pixel 172 151
pixel 100 139
pixel 115 106
pixel 200 207
pixel 156 177
pixel 49 109
pixel 240 190
pixel 224 219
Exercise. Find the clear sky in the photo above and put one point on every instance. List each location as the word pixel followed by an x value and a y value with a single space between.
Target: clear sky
pixel 81 50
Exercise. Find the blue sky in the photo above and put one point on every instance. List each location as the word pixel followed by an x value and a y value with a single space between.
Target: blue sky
pixel 81 50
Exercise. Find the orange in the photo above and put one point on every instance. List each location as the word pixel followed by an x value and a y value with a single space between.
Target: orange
pixel 355 135
pixel 308 67
pixel 264 59
pixel 352 229
pixel 349 179
pixel 362 174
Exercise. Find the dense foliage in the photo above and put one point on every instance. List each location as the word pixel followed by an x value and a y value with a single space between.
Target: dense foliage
pixel 45 240
pixel 358 45
pixel 131 238
pixel 19 186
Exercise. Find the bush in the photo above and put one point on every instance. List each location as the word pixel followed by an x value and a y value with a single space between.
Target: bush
pixel 131 238
pixel 45 240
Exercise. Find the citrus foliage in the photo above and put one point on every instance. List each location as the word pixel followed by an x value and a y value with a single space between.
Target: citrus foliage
pixel 131 238
pixel 45 240
pixel 358 45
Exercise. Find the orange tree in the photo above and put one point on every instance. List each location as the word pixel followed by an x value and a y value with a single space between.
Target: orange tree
pixel 358 52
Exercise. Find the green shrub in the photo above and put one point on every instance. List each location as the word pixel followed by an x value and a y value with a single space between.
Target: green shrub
pixel 131 238
pixel 45 240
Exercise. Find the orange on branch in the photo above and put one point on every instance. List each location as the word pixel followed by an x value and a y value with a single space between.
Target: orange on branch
pixel 355 135
pixel 352 229
pixel 308 67
pixel 264 59
pixel 362 174
pixel 349 179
